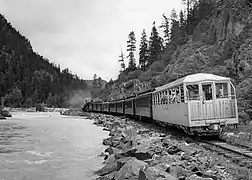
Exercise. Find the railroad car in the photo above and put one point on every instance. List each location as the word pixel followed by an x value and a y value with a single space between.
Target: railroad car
pixel 129 106
pixel 199 104
pixel 112 107
pixel 120 107
pixel 105 107
pixel 143 105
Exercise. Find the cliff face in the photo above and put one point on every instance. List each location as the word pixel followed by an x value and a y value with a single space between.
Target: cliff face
pixel 216 41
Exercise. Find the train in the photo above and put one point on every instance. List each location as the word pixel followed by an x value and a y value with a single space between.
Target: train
pixel 200 104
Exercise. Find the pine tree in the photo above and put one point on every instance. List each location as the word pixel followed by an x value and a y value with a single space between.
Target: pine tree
pixel 155 45
pixel 189 4
pixel 121 60
pixel 95 81
pixel 181 18
pixel 177 33
pixel 166 29
pixel 143 53
pixel 131 47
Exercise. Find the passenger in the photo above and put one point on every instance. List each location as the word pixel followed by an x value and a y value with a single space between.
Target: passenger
pixel 221 93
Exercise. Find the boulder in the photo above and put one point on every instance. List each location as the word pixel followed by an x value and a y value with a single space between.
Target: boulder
pixel 2 117
pixel 108 168
pixel 195 177
pixel 6 113
pixel 110 159
pixel 178 171
pixel 130 169
pixel 112 150
pixel 103 178
pixel 122 161
pixel 153 173
pixel 173 150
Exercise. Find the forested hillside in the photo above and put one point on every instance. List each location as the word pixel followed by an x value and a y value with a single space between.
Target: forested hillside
pixel 27 78
pixel 213 36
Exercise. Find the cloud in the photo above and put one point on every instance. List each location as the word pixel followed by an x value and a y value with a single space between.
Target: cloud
pixel 84 35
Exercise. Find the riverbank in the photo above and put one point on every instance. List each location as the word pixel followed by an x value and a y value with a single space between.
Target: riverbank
pixel 143 151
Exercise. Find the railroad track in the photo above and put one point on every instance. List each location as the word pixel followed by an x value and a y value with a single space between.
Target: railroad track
pixel 239 155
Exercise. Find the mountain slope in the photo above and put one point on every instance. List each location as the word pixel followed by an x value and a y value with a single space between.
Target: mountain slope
pixel 28 78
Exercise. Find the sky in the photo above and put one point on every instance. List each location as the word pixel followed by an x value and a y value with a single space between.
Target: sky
pixel 85 36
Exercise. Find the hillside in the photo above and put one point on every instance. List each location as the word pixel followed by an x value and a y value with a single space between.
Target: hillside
pixel 215 38
pixel 28 78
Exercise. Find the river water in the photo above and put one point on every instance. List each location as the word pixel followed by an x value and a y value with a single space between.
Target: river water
pixel 48 146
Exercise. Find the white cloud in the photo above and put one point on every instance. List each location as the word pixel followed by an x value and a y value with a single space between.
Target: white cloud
pixel 84 35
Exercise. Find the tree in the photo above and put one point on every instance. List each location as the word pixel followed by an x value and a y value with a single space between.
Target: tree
pixel 131 47
pixel 14 97
pixel 177 33
pixel 95 81
pixel 155 45
pixel 121 60
pixel 181 19
pixel 174 15
pixel 143 53
pixel 166 29
pixel 189 4
pixel 99 82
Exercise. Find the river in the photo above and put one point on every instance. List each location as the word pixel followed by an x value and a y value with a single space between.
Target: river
pixel 48 146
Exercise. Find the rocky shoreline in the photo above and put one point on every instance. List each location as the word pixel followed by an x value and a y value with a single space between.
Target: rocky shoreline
pixel 145 153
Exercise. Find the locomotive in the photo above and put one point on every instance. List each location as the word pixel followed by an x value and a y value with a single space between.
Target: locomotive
pixel 201 104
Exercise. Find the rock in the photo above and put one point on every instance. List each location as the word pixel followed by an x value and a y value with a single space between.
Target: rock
pixel 106 129
pixel 112 150
pixel 111 175
pixel 130 169
pixel 108 168
pixel 129 153
pixel 166 142
pixel 103 178
pixel 173 150
pixel 178 171
pixel 107 141
pixel 195 177
pixel 110 159
pixel 142 155
pixel 6 113
pixel 153 173
pixel 2 117
pixel 122 161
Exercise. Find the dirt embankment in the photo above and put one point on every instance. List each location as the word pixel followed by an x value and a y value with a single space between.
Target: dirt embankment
pixel 145 153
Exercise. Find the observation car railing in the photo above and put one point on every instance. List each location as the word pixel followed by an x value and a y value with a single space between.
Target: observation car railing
pixel 222 108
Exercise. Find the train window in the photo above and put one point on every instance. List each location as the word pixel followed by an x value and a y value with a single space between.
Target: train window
pixel 207 91
pixel 182 94
pixel 193 92
pixel 232 91
pixel 221 90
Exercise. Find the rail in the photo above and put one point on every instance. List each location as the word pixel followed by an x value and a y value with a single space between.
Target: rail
pixel 243 154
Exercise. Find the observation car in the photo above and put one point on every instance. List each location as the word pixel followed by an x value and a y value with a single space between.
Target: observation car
pixel 199 104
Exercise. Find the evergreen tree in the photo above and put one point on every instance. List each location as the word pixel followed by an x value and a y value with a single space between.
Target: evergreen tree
pixel 155 45
pixel 189 4
pixel 99 82
pixel 131 47
pixel 177 33
pixel 121 60
pixel 95 81
pixel 181 18
pixel 143 53
pixel 166 29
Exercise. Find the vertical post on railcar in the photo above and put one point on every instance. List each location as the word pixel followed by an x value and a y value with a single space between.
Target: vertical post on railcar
pixel 214 99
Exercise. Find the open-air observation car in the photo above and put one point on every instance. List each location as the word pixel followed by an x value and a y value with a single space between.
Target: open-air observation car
pixel 199 102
